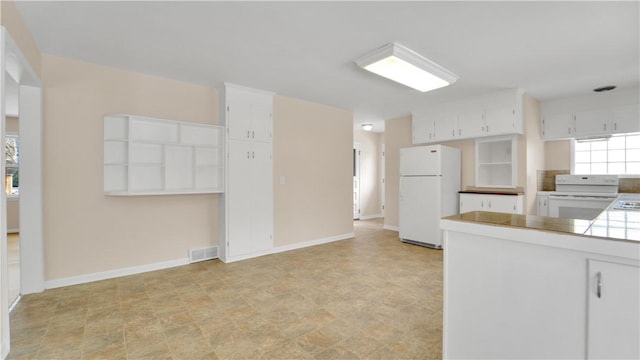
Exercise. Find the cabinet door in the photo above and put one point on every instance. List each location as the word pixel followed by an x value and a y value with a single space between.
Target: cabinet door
pixel 625 119
pixel 502 203
pixel 238 198
pixel 499 120
pixel 261 207
pixel 592 123
pixel 472 202
pixel 543 205
pixel 239 120
pixel 261 123
pixel 613 313
pixel 557 126
pixel 421 128
pixel 446 126
pixel 471 123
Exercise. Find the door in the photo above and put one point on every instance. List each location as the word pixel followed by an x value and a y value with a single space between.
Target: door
pixel 239 198
pixel 261 208
pixel 470 123
pixel 569 207
pixel 420 160
pixel 356 181
pixel 500 120
pixel 419 213
pixel 613 323
pixel 502 203
pixel 472 202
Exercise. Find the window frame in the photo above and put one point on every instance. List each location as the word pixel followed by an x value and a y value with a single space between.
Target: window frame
pixel 573 158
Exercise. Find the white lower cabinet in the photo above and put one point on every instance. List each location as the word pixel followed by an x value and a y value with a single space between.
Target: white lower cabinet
pixel 613 322
pixel 511 204
pixel 543 204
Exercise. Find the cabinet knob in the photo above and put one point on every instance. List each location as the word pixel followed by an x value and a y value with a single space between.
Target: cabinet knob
pixel 615 126
pixel 482 203
pixel 247 134
pixel 487 128
pixel 604 127
pixel 569 131
pixel 453 133
pixel 459 132
pixel 599 285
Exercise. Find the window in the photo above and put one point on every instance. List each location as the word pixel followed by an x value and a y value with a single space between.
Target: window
pixel 12 156
pixel 617 155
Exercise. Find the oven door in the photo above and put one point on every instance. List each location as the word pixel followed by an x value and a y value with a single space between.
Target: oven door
pixel 577 206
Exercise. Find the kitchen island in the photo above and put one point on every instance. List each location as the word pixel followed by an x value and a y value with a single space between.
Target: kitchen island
pixel 522 286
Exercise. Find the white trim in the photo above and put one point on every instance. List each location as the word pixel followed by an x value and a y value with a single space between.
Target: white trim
pixel 391 227
pixel 111 274
pixel 369 217
pixel 305 244
pixel 295 246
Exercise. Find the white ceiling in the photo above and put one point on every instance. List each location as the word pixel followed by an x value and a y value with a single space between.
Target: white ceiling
pixel 307 49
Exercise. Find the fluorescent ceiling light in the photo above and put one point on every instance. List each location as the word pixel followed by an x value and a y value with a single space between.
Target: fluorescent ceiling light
pixel 367 127
pixel 407 67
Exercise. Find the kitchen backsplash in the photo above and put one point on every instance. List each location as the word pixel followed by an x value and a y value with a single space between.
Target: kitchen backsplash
pixel 627 185
pixel 547 181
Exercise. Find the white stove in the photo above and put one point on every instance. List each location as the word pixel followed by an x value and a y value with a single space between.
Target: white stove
pixel 582 196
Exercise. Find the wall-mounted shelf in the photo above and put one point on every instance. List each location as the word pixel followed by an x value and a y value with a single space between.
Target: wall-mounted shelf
pixel 147 156
pixel 496 162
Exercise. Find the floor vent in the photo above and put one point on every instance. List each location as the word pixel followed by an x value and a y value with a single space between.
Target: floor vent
pixel 201 254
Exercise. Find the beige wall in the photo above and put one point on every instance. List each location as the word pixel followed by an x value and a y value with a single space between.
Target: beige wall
pixel 85 231
pixel 535 152
pixel 12 125
pixel 557 155
pixel 10 18
pixel 312 149
pixel 370 142
pixel 13 214
pixel 397 134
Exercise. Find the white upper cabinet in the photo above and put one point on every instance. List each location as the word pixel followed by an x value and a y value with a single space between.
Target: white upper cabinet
pixel 503 114
pixel 446 126
pixel 591 123
pixel 470 122
pixel 593 115
pixel 557 126
pixel 421 128
pixel 498 113
pixel 625 119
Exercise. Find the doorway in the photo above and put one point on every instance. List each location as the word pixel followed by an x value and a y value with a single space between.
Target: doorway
pixel 357 148
pixel 14 67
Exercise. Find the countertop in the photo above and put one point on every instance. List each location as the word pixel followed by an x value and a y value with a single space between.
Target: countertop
pixel 492 191
pixel 611 224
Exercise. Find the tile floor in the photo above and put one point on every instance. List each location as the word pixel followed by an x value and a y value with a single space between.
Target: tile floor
pixel 371 297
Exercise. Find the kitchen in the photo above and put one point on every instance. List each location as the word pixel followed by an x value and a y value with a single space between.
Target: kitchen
pixel 315 111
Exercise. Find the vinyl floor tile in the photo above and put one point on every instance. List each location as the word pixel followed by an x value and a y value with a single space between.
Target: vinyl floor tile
pixel 370 297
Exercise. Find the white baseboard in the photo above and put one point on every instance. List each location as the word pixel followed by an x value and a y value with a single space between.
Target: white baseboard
pixel 391 227
pixel 111 274
pixel 295 246
pixel 305 244
pixel 369 217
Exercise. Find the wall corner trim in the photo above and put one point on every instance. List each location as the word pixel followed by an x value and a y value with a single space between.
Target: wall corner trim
pixel 111 274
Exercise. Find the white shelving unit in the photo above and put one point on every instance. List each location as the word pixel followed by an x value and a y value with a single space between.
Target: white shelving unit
pixel 496 162
pixel 147 156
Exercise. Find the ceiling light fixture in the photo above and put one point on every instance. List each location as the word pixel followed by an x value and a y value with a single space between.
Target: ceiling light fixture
pixel 403 65
pixel 367 127
pixel 605 88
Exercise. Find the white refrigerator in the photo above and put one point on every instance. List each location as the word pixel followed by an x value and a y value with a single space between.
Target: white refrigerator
pixel 429 185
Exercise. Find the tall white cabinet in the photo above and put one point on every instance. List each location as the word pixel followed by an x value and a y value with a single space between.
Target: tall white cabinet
pixel 248 199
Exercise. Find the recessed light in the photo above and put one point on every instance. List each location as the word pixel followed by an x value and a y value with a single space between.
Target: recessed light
pixel 604 88
pixel 367 127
